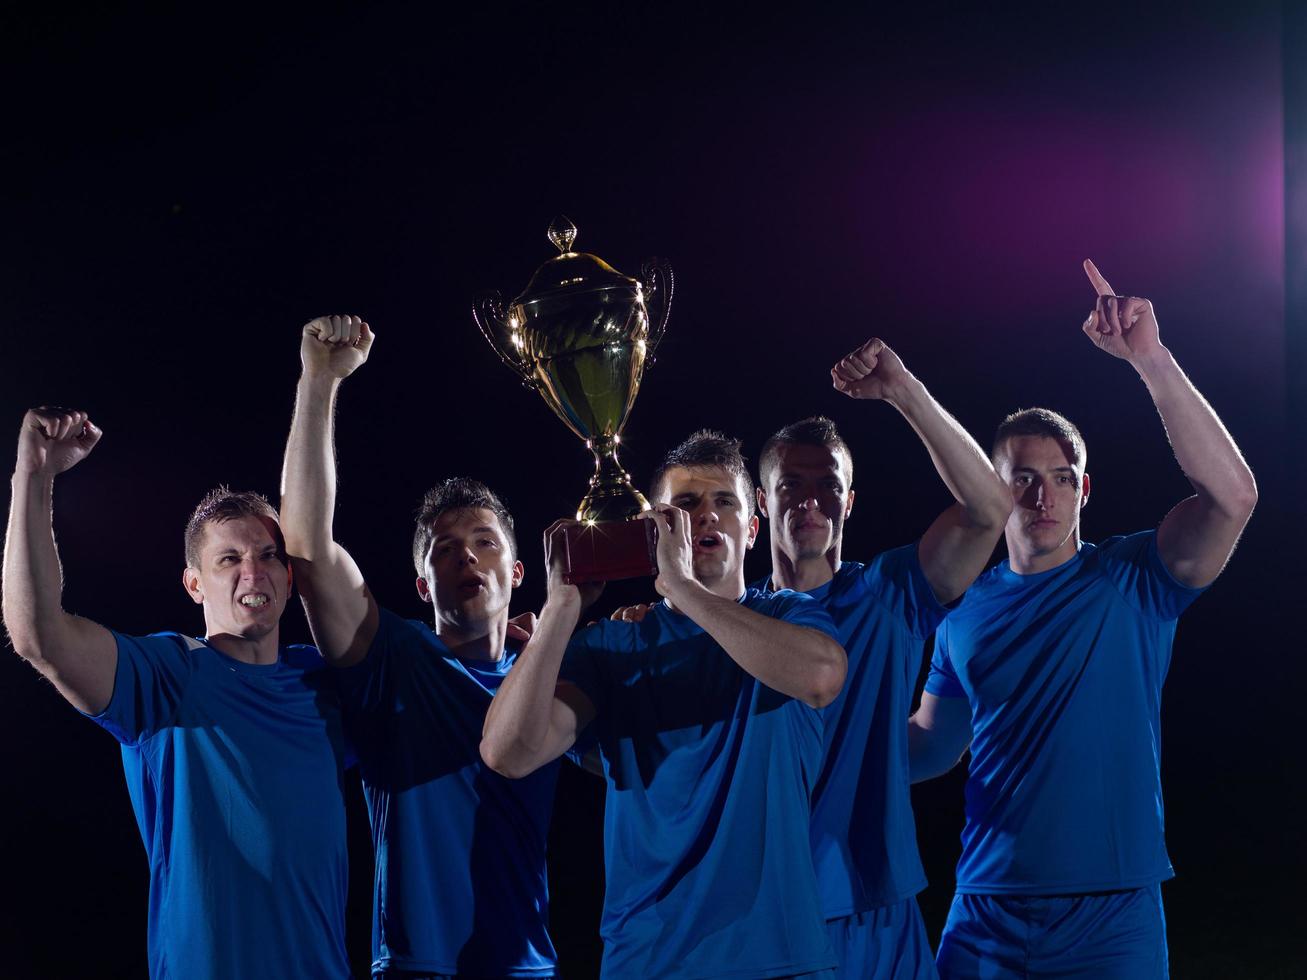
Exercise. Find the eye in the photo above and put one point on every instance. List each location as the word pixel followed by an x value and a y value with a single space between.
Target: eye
pixel 227 560
pixel 1022 481
pixel 1066 479
pixel 488 543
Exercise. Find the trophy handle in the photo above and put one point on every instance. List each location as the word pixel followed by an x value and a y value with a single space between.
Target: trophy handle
pixel 488 312
pixel 656 276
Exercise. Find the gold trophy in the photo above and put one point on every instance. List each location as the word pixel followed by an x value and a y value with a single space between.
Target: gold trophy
pixel 581 334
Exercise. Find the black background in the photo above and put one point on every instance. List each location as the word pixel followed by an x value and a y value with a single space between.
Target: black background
pixel 182 192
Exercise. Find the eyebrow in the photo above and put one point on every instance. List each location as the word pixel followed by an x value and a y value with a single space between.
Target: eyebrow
pixel 1055 469
pixel 441 538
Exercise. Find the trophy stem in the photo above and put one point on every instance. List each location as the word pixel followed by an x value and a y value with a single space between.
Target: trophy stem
pixel 612 497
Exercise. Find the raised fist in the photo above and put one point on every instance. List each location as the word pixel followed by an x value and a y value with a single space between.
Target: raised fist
pixel 871 371
pixel 335 345
pixel 55 439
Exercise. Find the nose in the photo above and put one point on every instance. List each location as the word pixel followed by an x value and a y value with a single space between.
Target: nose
pixel 810 504
pixel 468 557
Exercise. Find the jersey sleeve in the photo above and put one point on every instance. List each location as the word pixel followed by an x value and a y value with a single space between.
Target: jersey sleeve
pixel 942 681
pixel 363 686
pixel 800 609
pixel 583 664
pixel 149 684
pixel 1135 567
pixel 897 580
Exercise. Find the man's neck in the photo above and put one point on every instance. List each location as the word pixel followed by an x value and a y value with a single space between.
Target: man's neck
pixel 803 574
pixel 1033 564
pixel 475 641
pixel 261 651
pixel 729 586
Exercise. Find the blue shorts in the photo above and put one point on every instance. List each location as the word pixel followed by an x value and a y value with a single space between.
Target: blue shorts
pixel 887 943
pixel 1109 936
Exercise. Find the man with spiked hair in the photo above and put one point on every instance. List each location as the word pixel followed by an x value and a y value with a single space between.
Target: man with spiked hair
pixel 1051 670
pixel 231 744
pixel 862 834
pixel 705 717
pixel 460 886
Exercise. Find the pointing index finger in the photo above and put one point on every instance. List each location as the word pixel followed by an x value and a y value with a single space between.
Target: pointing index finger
pixel 1101 285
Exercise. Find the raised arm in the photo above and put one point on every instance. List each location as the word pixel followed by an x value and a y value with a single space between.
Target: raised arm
pixel 1199 534
pixel 796 660
pixel 341 610
pixel 939 732
pixel 533 719
pixel 957 546
pixel 78 656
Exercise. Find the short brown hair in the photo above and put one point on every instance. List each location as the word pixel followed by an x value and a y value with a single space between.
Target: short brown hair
pixel 1041 422
pixel 219 505
pixel 815 430
pixel 707 447
pixel 456 493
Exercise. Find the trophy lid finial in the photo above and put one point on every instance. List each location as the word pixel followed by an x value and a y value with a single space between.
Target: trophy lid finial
pixel 562 233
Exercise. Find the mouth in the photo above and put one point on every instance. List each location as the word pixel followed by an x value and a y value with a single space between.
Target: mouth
pixel 254 600
pixel 706 544
pixel 1041 523
pixel 471 585
pixel 809 524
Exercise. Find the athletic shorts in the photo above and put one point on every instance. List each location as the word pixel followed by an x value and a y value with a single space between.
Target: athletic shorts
pixel 887 943
pixel 1106 936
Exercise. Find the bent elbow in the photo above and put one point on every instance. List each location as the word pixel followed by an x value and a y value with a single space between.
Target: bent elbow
pixel 828 679
pixel 503 760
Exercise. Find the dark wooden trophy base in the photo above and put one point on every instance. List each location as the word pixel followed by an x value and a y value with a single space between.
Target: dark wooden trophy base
pixel 609 550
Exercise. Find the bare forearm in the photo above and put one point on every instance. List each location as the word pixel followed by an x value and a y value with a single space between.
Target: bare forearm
pixel 795 660
pixel 519 731
pixel 960 462
pixel 33 580
pixel 1203 448
pixel 308 482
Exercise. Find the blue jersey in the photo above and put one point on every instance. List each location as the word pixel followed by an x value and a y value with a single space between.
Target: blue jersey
pixel 234 772
pixel 1064 672
pixel 706 820
pixel 864 836
pixel 460 884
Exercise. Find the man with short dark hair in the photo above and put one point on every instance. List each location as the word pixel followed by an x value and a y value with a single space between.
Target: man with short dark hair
pixel 231 745
pixel 863 835
pixel 460 886
pixel 1051 669
pixel 705 717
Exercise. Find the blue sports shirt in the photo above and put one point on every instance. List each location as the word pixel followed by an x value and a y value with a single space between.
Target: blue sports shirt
pixel 234 773
pixel 864 836
pixel 1064 671
pixel 706 821
pixel 460 885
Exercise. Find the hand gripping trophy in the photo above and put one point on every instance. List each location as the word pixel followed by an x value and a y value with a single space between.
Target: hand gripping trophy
pixel 581 334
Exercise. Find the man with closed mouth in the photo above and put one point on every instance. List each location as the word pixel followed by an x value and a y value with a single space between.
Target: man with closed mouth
pixel 863 834
pixel 1051 670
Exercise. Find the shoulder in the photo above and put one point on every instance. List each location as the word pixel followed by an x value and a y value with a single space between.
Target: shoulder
pixel 798 608
pixel 302 656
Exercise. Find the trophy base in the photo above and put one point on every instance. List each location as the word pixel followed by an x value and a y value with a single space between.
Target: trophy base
pixel 608 550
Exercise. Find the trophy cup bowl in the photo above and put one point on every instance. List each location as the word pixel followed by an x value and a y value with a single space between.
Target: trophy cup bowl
pixel 581 334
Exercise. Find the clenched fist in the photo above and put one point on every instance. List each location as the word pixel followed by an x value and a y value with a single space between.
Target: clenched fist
pixel 335 345
pixel 871 371
pixel 55 439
